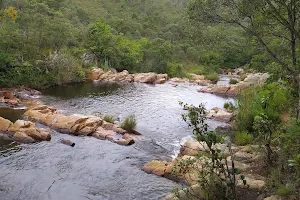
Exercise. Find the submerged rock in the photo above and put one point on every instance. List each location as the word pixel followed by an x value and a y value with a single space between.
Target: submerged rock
pixel 23 131
pixel 79 125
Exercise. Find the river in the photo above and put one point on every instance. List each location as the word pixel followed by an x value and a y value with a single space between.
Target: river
pixel 96 169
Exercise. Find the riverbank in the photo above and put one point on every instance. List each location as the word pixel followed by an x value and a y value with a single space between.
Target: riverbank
pixel 99 168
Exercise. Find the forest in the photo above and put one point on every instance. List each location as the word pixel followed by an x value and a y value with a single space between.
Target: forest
pixel 45 43
pixel 140 36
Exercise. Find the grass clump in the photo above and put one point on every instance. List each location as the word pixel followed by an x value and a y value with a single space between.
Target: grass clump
pixel 233 81
pixel 213 77
pixel 229 106
pixel 109 118
pixel 129 123
pixel 243 138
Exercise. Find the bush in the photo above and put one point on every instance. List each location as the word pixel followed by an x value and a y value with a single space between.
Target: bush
pixel 214 77
pixel 176 70
pixel 108 118
pixel 215 178
pixel 243 138
pixel 271 100
pixel 229 106
pixel 243 77
pixel 129 124
pixel 233 81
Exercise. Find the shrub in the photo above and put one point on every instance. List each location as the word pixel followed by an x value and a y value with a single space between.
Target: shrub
pixel 176 70
pixel 271 100
pixel 214 77
pixel 215 178
pixel 243 138
pixel 129 124
pixel 108 118
pixel 233 81
pixel 243 77
pixel 229 106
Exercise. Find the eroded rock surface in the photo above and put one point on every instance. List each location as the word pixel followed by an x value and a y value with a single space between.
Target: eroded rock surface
pixel 22 131
pixel 79 125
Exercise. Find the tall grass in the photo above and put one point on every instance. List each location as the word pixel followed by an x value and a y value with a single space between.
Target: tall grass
pixel 129 123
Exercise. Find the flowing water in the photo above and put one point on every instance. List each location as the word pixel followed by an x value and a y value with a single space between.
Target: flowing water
pixel 96 169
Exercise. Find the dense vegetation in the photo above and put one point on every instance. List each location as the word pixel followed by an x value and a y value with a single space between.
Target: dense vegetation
pixel 43 43
pixel 48 42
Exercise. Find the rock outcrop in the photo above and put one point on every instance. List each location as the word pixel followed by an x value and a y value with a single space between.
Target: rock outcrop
pixel 220 115
pixel 14 97
pixel 234 90
pixel 79 125
pixel 98 74
pixel 187 165
pixel 22 131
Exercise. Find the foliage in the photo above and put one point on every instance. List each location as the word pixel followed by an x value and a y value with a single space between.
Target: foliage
pixel 243 138
pixel 233 81
pixel 214 77
pixel 176 70
pixel 108 118
pixel 271 100
pixel 215 178
pixel 229 106
pixel 129 123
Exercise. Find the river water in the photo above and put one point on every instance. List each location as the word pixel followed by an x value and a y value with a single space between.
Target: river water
pixel 96 169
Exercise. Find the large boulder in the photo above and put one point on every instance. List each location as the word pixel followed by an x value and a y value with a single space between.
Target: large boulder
pixel 80 125
pixel 23 131
pixel 220 115
pixel 157 167
pixel 4 124
pixel 95 74
pixel 145 77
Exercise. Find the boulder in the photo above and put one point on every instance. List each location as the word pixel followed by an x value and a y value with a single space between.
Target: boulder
pixel 179 80
pixel 95 74
pixel 194 192
pixel 4 124
pixel 273 197
pixel 156 167
pixel 196 77
pixel 79 125
pixel 22 137
pixel 191 148
pixel 145 77
pixel 222 115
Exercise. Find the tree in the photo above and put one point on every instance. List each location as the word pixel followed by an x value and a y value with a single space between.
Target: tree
pixel 274 24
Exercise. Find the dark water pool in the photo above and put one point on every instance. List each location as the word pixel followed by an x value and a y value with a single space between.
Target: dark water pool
pixel 96 169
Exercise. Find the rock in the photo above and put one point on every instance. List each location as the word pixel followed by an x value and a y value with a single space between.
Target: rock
pixel 145 77
pixel 194 192
pixel 4 124
pixel 253 79
pixel 126 140
pixel 95 74
pixel 79 125
pixel 191 148
pixel 273 197
pixel 243 156
pixel 68 142
pixel 239 71
pixel 220 115
pixel 22 137
pixel 252 184
pixel 196 77
pixel 179 80
pixel 156 167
